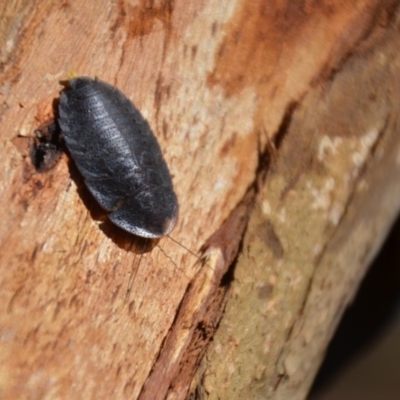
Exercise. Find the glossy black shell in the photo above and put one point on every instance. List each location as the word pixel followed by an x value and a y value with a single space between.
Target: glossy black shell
pixel 119 157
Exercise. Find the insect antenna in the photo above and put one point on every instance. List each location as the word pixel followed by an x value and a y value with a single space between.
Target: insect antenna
pixel 201 259
pixel 183 246
pixel 172 261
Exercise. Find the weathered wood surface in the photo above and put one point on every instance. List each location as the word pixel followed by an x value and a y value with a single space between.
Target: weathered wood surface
pixel 279 121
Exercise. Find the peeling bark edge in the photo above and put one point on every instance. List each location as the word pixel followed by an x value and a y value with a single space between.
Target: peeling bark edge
pixel 200 311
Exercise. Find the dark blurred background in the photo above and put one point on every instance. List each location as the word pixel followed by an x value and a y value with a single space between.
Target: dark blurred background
pixel 363 359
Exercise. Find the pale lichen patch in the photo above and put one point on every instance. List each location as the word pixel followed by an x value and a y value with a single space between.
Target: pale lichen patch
pixel 328 145
pixel 365 143
pixel 322 196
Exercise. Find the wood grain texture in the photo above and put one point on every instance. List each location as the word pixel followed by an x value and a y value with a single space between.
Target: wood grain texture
pixel 278 123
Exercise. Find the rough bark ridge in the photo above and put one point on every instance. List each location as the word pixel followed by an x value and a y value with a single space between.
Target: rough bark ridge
pixel 278 121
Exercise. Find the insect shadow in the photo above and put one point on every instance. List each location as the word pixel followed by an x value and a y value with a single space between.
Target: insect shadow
pixel 123 239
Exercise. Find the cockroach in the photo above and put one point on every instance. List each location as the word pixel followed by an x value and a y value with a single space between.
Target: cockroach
pixel 119 157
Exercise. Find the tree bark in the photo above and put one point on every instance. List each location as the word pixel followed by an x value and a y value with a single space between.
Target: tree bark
pixel 279 124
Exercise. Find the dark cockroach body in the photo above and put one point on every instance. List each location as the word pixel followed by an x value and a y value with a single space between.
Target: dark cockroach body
pixel 119 157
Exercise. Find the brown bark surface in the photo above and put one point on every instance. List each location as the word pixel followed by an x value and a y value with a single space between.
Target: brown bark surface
pixel 279 121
